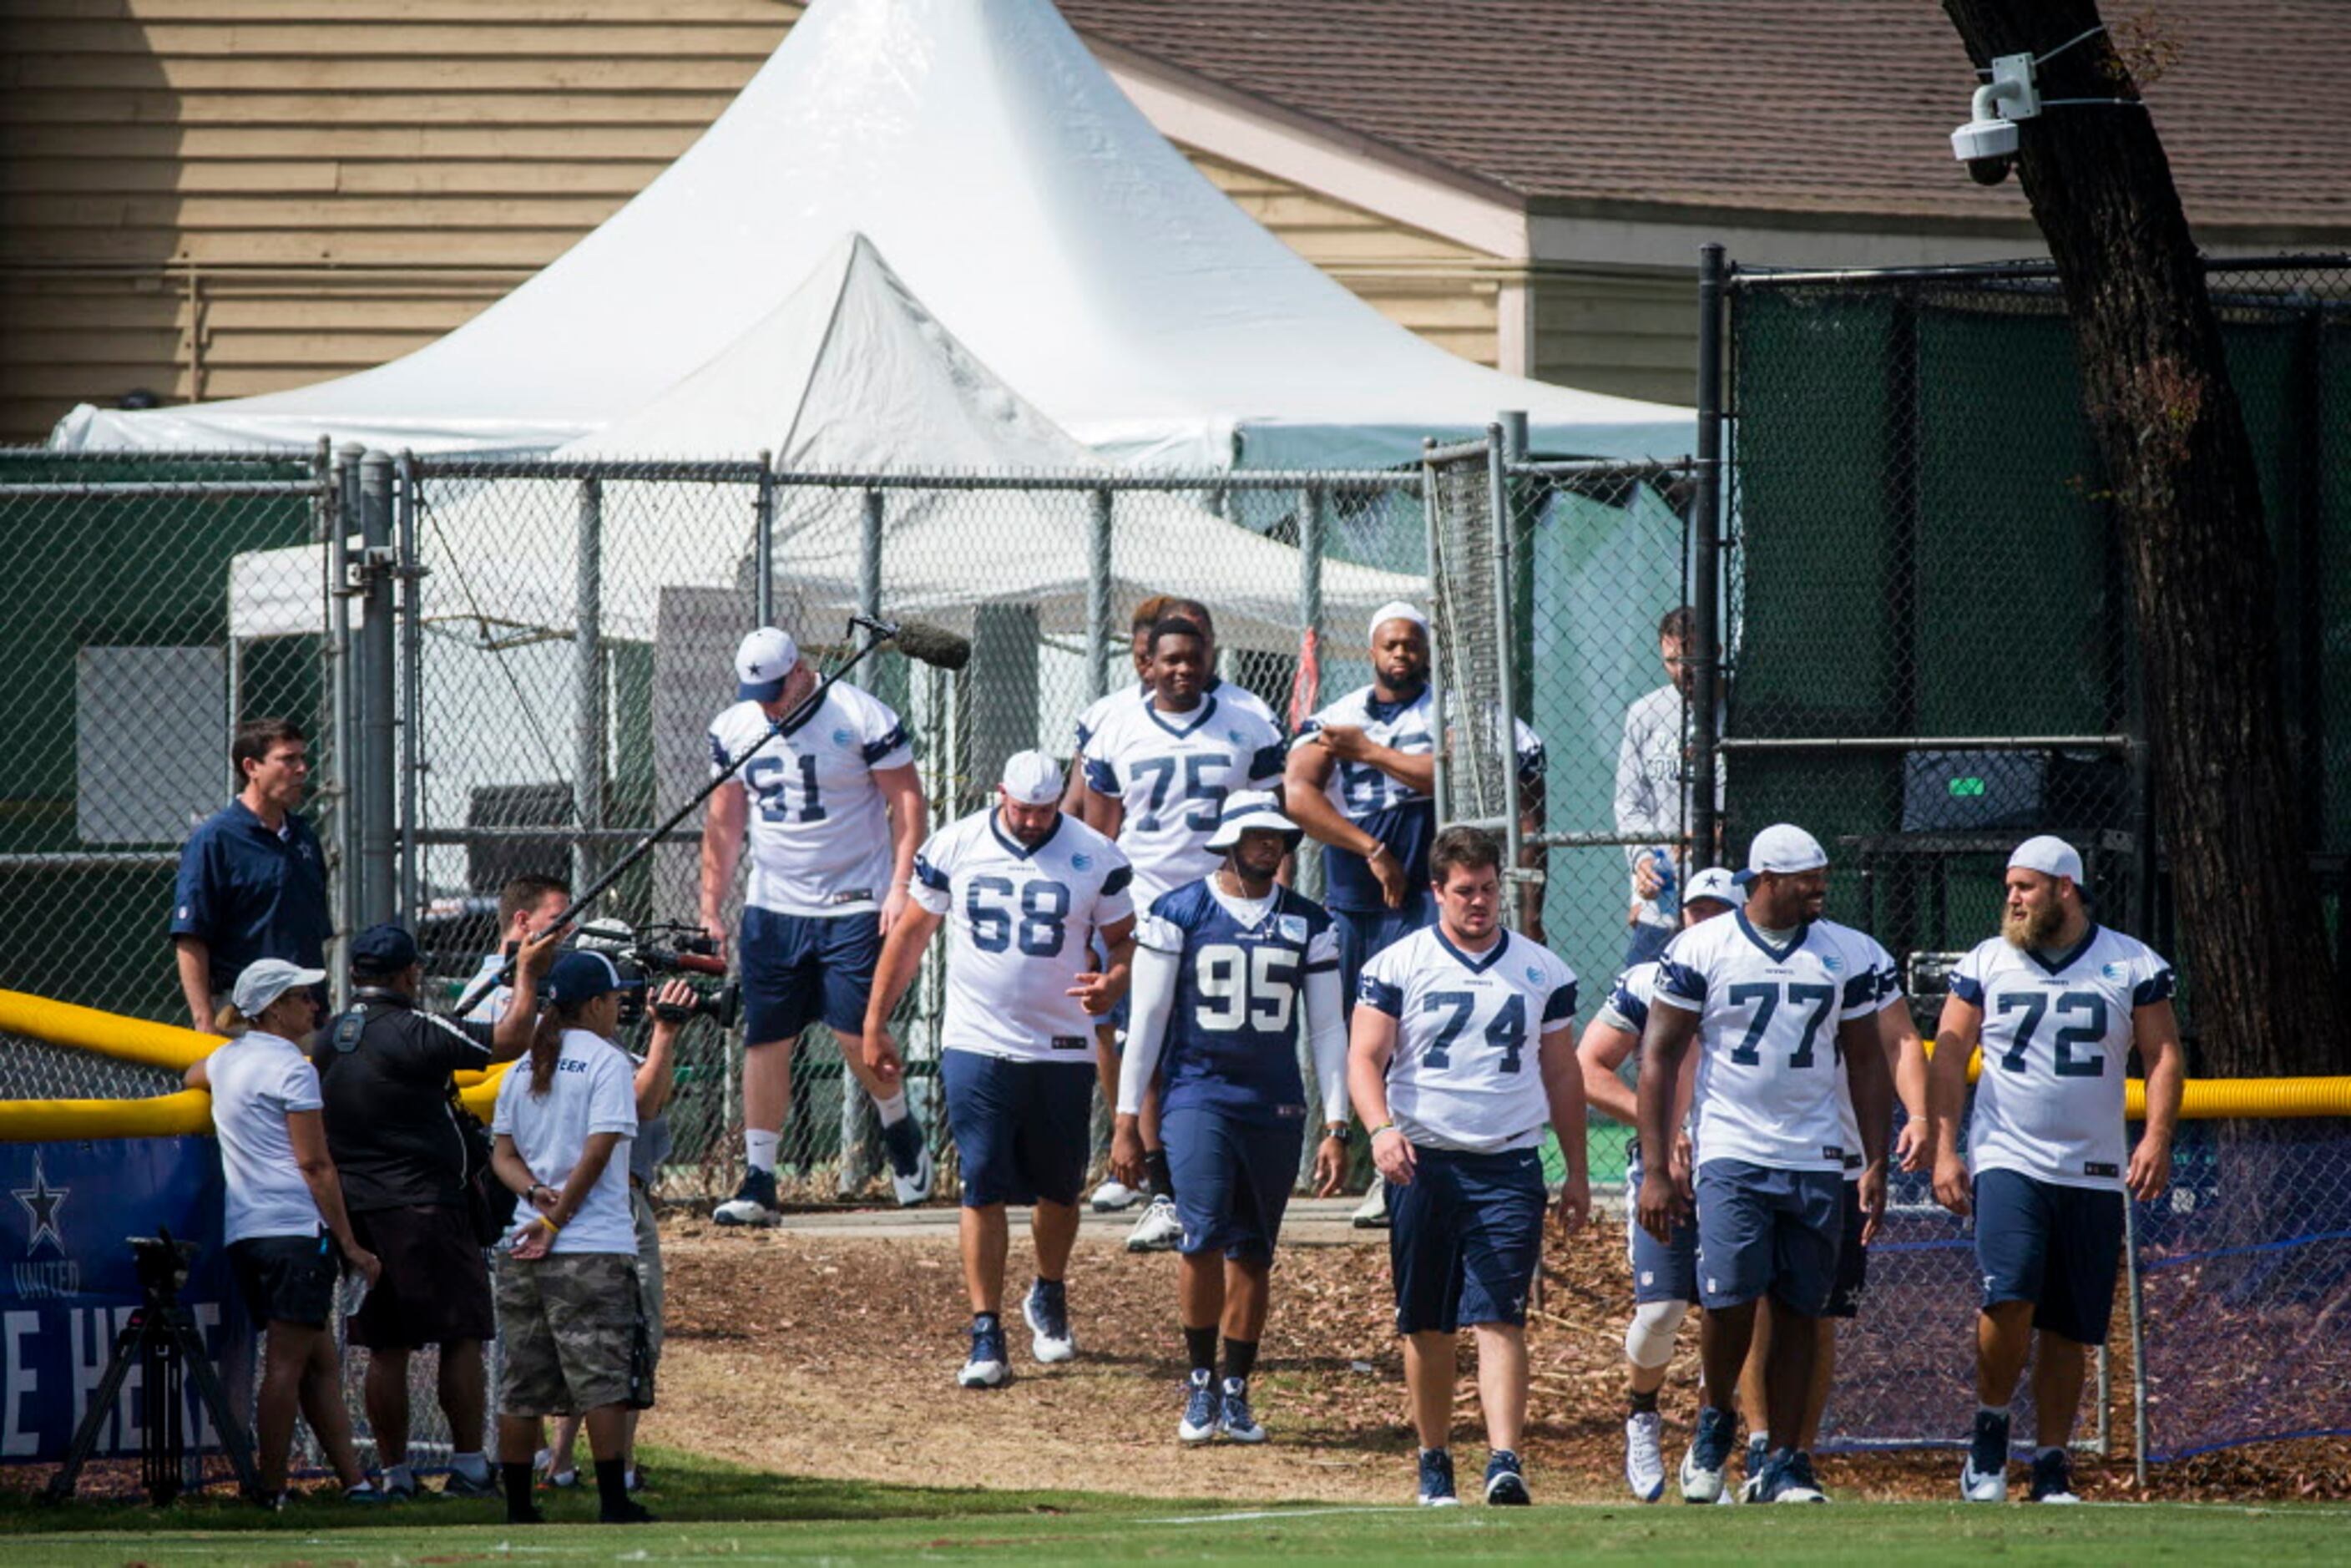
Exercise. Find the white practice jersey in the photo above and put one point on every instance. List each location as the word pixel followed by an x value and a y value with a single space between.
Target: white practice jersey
pixel 1888 989
pixel 819 828
pixel 1627 1008
pixel 1770 1090
pixel 1138 695
pixel 1020 919
pixel 2056 1035
pixel 1466 1074
pixel 1172 773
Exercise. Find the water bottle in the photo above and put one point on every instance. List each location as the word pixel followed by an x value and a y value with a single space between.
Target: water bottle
pixel 1667 904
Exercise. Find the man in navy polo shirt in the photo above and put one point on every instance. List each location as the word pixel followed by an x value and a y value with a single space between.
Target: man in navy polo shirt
pixel 253 883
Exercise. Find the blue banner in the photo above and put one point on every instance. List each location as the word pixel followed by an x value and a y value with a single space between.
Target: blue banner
pixel 70 1284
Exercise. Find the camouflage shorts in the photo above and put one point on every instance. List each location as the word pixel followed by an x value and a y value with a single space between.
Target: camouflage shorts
pixel 569 1323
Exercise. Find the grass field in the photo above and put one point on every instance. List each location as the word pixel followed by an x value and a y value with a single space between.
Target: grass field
pixel 713 1513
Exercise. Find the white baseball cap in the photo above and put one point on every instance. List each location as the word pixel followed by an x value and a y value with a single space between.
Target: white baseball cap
pixel 765 657
pixel 2051 856
pixel 1396 610
pixel 267 979
pixel 1779 849
pixel 1245 809
pixel 1714 883
pixel 1032 779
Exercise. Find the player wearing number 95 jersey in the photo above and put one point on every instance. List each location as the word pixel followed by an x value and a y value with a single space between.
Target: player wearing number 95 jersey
pixel 1023 889
pixel 1463 1047
pixel 2058 1002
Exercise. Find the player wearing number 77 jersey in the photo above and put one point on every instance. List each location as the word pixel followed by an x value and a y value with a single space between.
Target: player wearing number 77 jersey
pixel 1462 1048
pixel 1023 889
pixel 2058 1002
pixel 1771 996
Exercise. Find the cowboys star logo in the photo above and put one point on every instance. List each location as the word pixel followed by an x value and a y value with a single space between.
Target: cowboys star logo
pixel 41 1202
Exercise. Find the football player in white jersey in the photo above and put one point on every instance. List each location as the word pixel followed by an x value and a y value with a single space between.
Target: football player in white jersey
pixel 1665 1273
pixel 1024 890
pixel 1232 974
pixel 834 812
pixel 1158 773
pixel 1360 779
pixel 1462 1050
pixel 1770 996
pixel 2058 1003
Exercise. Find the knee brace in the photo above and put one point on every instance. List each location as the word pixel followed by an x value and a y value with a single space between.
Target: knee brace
pixel 1649 1337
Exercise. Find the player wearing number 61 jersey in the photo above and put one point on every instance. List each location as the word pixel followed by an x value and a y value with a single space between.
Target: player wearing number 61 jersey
pixel 2058 1002
pixel 1024 890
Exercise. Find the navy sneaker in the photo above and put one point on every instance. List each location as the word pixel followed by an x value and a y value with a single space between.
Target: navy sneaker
pixel 1709 1453
pixel 1506 1483
pixel 1437 1480
pixel 1984 1478
pixel 910 1172
pixel 1796 1481
pixel 1202 1406
pixel 1237 1422
pixel 1047 1310
pixel 2052 1477
pixel 989 1366
pixel 754 1202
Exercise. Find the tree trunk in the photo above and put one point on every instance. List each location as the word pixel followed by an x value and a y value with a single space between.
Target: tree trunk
pixel 2180 466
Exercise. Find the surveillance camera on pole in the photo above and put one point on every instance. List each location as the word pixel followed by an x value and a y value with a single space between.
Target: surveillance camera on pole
pixel 1987 143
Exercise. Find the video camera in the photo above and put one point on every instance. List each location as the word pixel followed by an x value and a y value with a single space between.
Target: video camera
pixel 654 951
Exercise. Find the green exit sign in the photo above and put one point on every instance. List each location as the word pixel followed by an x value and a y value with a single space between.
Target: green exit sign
pixel 1967 788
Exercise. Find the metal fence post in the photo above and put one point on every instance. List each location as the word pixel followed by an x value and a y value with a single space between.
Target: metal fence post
pixel 411 685
pixel 868 570
pixel 1307 693
pixel 588 677
pixel 1706 566
pixel 1098 596
pixel 1504 732
pixel 2138 1341
pixel 763 544
pixel 1439 719
pixel 378 689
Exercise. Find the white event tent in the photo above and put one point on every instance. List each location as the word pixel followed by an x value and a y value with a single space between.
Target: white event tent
pixel 1021 195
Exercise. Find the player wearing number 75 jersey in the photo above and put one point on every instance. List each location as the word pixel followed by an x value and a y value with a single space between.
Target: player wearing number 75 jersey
pixel 1771 996
pixel 2058 1002
pixel 1023 889
pixel 1462 1048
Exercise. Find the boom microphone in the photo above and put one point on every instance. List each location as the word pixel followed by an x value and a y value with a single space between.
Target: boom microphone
pixel 921 640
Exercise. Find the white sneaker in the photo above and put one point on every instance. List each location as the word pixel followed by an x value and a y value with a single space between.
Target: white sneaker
pixel 1372 1213
pixel 1644 1459
pixel 1202 1407
pixel 916 1188
pixel 1113 1197
pixel 1159 1229
pixel 1978 1487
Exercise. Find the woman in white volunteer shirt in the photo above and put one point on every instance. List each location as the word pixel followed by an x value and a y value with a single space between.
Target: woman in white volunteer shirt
pixel 285 1218
pixel 567 1281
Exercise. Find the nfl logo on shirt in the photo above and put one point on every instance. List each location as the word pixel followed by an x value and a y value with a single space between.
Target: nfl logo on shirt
pixel 1292 927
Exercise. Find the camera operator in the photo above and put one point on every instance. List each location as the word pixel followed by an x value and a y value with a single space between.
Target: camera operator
pixel 568 1283
pixel 528 906
pixel 286 1219
pixel 407 1155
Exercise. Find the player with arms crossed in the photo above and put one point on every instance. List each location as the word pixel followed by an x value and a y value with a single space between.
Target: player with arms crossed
pixel 2058 1002
pixel 1158 773
pixel 1231 974
pixel 1024 889
pixel 1462 1048
pixel 1665 1273
pixel 833 810
pixel 1771 996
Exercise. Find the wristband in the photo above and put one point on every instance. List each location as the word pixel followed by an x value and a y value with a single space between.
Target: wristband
pixel 548 1220
pixel 1383 1127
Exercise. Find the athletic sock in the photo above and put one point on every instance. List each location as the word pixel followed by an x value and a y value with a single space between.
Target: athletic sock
pixel 759 1149
pixel 1644 1404
pixel 1200 1344
pixel 520 1509
pixel 892 1111
pixel 1156 1162
pixel 1998 1413
pixel 473 1466
pixel 612 1486
pixel 1240 1358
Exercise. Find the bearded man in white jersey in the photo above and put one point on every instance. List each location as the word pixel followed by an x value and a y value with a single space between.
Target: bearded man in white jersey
pixel 2058 1003
pixel 1461 1050
pixel 1772 997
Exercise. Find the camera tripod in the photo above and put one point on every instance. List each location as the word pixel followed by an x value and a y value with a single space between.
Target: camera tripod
pixel 162 1340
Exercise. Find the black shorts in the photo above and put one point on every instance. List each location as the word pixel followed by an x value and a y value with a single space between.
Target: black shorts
pixel 286 1279
pixel 1852 1260
pixel 2055 1246
pixel 435 1289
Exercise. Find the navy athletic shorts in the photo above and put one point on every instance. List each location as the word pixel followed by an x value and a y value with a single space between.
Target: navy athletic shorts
pixel 1763 1230
pixel 1852 1260
pixel 1662 1271
pixel 1464 1237
pixel 1362 933
pixel 1233 1178
pixel 1022 1130
pixel 799 969
pixel 2055 1246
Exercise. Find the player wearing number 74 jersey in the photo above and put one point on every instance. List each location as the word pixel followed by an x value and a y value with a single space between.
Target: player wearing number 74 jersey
pixel 2059 1002
pixel 1023 889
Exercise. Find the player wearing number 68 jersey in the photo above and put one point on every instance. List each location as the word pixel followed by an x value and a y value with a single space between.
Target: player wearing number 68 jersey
pixel 1023 889
pixel 2058 1002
